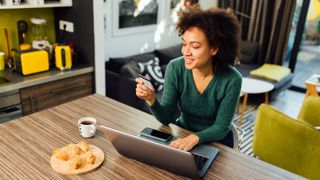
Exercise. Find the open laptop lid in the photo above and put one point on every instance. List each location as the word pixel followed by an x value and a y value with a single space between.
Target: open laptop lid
pixel 162 156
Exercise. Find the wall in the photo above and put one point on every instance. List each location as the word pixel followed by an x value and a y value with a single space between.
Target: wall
pixel 163 35
pixel 81 14
pixel 10 17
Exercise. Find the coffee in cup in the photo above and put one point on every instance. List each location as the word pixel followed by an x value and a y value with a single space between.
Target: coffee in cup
pixel 87 126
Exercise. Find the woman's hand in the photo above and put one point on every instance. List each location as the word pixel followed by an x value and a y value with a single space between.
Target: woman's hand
pixel 186 143
pixel 145 93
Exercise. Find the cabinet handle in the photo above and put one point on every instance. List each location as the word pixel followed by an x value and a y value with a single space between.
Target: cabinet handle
pixel 31 102
pixel 67 88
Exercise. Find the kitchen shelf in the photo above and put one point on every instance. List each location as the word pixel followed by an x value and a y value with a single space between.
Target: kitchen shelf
pixel 64 3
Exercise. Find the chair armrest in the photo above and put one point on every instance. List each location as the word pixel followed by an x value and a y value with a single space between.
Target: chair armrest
pixel 287 143
pixel 309 111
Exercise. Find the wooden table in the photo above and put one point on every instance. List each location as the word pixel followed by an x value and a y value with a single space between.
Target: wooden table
pixel 26 145
pixel 312 84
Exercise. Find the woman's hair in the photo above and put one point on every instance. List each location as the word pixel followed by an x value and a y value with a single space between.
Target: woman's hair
pixel 221 29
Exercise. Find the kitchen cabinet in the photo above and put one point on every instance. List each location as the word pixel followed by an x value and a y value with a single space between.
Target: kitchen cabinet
pixel 43 96
pixel 7 4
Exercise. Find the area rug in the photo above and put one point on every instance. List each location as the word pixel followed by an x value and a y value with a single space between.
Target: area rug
pixel 246 126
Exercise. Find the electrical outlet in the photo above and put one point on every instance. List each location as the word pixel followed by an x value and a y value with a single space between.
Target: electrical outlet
pixel 69 26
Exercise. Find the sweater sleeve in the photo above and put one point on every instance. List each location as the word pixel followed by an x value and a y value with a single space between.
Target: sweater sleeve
pixel 165 111
pixel 225 114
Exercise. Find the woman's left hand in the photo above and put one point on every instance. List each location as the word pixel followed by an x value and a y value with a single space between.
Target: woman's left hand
pixel 186 143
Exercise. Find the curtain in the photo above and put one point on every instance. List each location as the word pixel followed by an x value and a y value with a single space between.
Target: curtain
pixel 269 24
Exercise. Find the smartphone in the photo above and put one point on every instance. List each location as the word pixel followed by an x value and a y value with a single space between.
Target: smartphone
pixel 155 134
pixel 146 82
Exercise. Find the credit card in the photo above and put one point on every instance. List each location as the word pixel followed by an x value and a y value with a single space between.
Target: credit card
pixel 146 82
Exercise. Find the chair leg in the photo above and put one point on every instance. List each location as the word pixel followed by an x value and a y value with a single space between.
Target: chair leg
pixel 245 98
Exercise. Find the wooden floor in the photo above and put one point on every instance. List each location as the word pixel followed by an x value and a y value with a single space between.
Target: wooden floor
pixel 289 102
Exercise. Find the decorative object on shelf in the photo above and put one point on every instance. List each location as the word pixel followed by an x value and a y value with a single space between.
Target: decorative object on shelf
pixel 134 16
pixel 11 2
pixel 35 2
pixel 25 4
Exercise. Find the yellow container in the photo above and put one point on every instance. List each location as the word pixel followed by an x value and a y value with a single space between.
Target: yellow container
pixel 2 62
pixel 29 62
pixel 63 57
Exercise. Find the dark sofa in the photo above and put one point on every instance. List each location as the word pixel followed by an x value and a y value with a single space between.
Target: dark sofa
pixel 121 72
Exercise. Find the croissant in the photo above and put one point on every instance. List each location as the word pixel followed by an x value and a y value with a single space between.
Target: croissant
pixel 60 155
pixel 75 162
pixel 83 146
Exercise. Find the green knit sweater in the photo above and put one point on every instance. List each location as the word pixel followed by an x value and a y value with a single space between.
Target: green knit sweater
pixel 209 114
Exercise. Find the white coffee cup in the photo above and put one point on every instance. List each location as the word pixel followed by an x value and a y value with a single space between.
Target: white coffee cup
pixel 87 126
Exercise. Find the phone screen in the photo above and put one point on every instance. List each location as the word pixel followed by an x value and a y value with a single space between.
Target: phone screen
pixel 156 134
pixel 160 134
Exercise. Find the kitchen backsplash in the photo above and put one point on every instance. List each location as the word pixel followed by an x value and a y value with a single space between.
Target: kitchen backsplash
pixel 10 17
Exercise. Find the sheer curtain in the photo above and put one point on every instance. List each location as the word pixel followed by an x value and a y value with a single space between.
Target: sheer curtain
pixel 268 22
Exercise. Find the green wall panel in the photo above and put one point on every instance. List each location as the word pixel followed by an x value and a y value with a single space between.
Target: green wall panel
pixel 10 17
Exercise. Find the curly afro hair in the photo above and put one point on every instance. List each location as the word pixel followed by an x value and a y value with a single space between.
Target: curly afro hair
pixel 221 29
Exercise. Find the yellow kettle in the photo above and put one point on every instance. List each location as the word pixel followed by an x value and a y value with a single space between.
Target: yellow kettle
pixel 63 59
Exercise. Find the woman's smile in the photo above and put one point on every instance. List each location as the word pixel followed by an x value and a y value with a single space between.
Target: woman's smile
pixel 188 61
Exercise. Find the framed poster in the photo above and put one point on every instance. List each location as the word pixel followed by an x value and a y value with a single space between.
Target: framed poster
pixel 134 16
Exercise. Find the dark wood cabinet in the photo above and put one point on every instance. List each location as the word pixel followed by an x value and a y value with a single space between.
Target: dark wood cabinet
pixel 43 96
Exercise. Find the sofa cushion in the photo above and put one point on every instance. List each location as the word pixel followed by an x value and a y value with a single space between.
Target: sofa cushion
pixel 271 71
pixel 152 71
pixel 248 52
pixel 167 54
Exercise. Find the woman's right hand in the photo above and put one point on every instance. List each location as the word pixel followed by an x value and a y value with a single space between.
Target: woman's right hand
pixel 144 92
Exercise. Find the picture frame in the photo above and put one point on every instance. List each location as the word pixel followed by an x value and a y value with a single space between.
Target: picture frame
pixel 131 18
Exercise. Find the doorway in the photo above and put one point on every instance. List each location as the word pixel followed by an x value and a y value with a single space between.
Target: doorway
pixel 303 53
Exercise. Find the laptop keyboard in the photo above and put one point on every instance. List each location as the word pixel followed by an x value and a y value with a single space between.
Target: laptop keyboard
pixel 200 161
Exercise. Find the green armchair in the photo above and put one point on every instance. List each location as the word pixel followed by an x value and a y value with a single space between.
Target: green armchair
pixel 310 111
pixel 288 143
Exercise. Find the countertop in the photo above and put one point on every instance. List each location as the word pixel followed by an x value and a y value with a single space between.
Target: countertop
pixel 18 81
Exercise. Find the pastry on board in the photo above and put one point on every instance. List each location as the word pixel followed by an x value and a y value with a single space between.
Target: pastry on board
pixel 76 158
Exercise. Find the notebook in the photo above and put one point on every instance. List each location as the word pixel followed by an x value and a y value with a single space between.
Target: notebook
pixel 193 164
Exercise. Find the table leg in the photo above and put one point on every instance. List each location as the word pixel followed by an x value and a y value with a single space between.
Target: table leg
pixel 311 90
pixel 266 98
pixel 245 98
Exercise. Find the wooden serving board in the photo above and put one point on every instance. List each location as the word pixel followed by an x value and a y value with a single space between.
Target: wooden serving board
pixel 63 167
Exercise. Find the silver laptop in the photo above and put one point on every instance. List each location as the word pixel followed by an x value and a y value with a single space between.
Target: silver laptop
pixel 193 164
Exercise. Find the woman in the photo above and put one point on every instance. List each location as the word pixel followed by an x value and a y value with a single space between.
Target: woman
pixel 203 82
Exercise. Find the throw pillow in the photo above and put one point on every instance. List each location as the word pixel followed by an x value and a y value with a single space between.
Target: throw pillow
pixel 152 71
